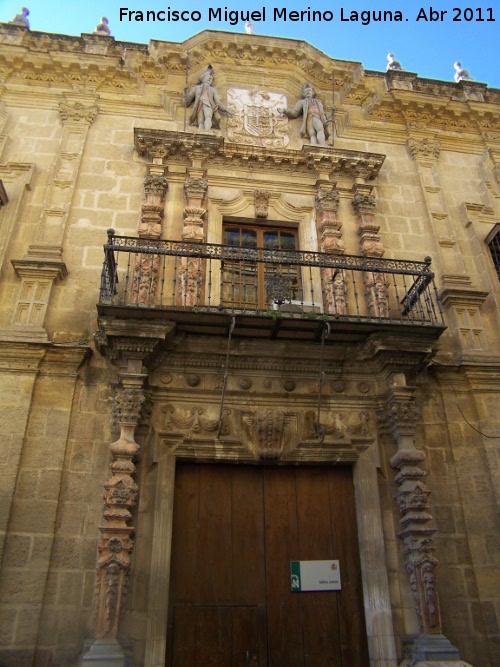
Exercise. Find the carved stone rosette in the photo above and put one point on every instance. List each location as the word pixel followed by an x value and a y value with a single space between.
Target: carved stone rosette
pixel 191 269
pixel 376 284
pixel 399 420
pixel 120 495
pixel 327 203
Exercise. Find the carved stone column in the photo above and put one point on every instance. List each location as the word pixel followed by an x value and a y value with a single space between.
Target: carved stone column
pixel 191 269
pixel 399 420
pixel 120 495
pixel 376 284
pixel 117 339
pixel 150 227
pixel 153 203
pixel 329 227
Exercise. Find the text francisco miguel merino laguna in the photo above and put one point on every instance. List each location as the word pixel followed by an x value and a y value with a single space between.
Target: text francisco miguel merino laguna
pixel 233 17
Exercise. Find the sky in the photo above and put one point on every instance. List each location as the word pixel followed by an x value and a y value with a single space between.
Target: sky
pixel 461 30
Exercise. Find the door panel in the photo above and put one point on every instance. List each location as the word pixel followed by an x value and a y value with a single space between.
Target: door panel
pixel 235 531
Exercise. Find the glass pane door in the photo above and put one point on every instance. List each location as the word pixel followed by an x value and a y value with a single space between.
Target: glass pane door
pixel 251 284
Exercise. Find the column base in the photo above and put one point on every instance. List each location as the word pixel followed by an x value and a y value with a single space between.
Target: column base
pixel 430 651
pixel 104 653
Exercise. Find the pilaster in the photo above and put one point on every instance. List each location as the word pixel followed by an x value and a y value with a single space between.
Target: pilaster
pixel 425 151
pixel 43 264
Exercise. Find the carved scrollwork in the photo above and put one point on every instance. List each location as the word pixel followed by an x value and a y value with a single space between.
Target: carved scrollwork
pixel 77 112
pixel 426 148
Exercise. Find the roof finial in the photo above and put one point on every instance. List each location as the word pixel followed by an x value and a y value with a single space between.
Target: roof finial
pixel 102 28
pixel 460 73
pixel 22 18
pixel 249 28
pixel 393 63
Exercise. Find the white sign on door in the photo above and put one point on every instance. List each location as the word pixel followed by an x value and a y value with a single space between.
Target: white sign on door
pixel 315 575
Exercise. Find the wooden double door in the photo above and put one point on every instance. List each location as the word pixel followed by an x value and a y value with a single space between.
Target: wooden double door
pixel 235 531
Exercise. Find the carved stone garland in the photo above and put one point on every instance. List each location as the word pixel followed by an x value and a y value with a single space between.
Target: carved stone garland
pixel 120 495
pixel 399 420
pixel 191 269
pixel 376 285
pixel 335 283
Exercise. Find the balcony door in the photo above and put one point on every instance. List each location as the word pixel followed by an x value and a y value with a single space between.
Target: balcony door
pixel 252 283
pixel 235 530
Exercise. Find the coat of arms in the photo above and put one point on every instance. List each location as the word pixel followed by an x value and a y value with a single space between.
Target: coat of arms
pixel 255 118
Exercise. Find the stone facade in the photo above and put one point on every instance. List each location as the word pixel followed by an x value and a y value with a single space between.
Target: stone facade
pixel 102 401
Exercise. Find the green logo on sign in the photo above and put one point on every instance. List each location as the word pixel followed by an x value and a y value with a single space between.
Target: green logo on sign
pixel 295 575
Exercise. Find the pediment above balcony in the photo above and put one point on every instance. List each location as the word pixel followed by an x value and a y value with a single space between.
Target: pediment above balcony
pixel 211 149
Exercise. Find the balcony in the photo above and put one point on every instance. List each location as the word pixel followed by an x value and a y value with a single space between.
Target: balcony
pixel 265 293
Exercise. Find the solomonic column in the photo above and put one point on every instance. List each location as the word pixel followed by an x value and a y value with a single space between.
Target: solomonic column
pixel 399 419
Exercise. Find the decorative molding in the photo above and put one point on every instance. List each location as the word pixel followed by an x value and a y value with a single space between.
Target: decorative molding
pixel 212 150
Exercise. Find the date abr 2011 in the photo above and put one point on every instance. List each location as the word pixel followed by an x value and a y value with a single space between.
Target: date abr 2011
pixel 469 14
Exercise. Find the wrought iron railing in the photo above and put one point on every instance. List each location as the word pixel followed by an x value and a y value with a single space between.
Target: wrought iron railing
pixel 201 277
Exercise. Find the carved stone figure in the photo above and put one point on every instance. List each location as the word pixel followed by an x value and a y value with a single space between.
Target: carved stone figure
pixel 102 28
pixel 314 120
pixel 393 63
pixel 22 18
pixel 206 102
pixel 460 73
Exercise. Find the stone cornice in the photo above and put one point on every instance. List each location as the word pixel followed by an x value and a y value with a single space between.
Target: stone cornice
pixel 212 149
